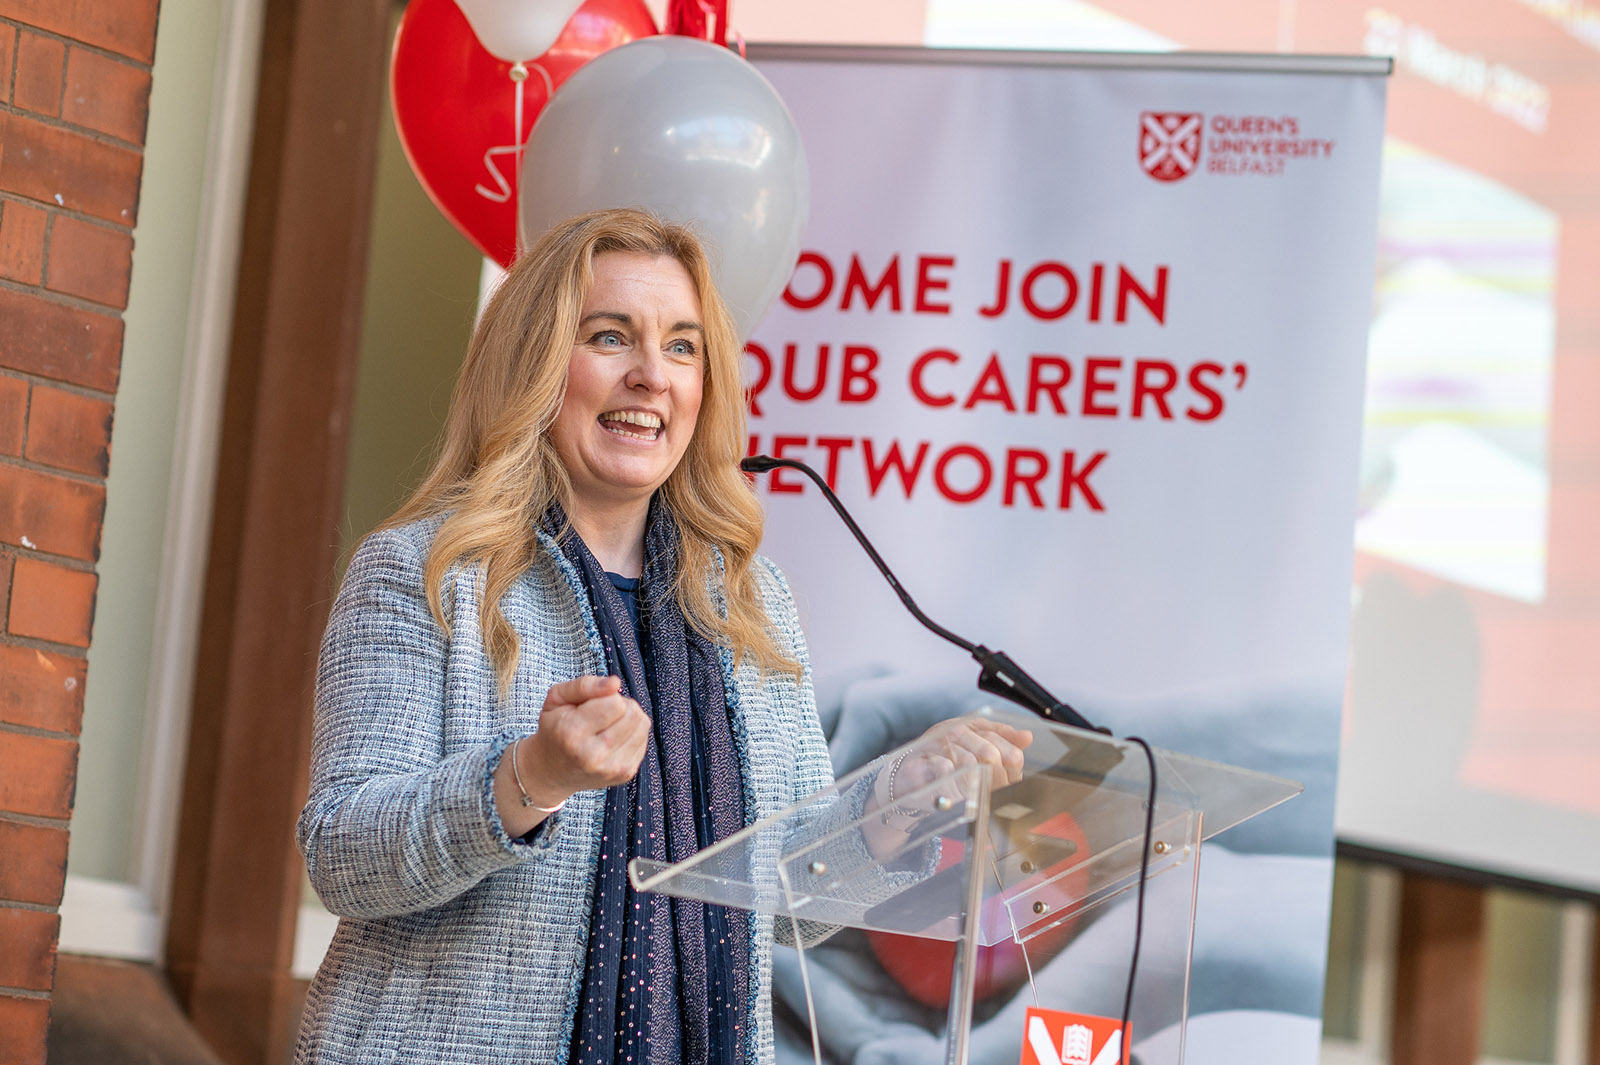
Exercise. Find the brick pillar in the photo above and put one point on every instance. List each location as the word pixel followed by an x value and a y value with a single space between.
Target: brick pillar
pixel 74 91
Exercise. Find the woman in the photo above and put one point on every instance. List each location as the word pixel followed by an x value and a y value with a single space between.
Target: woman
pixel 563 653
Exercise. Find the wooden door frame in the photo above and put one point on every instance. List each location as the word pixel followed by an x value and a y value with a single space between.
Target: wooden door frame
pixel 274 539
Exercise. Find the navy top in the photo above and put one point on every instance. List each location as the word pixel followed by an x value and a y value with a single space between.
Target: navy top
pixel 628 589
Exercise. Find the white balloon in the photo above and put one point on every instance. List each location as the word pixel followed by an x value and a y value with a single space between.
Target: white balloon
pixel 518 30
pixel 690 131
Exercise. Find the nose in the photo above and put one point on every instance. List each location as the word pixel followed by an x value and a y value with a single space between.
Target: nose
pixel 647 369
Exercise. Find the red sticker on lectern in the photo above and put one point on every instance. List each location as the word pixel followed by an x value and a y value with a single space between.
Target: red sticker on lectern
pixel 1054 1037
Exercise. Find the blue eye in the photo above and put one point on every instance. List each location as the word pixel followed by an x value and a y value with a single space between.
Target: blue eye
pixel 608 337
pixel 685 348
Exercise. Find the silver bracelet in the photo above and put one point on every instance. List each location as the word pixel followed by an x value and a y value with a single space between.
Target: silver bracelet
pixel 527 800
pixel 895 810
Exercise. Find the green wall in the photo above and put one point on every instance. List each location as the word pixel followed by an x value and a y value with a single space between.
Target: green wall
pixel 421 295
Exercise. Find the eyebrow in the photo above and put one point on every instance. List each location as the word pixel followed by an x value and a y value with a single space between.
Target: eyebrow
pixel 685 326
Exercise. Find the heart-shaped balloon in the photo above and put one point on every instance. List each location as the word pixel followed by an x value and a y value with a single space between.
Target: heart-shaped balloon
pixel 463 116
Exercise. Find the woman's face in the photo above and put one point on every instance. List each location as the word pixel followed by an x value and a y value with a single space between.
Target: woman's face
pixel 634 381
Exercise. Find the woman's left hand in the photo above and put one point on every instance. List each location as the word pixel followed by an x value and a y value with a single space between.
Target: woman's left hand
pixel 952 745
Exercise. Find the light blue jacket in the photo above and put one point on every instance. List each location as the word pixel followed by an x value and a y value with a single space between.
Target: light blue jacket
pixel 457 943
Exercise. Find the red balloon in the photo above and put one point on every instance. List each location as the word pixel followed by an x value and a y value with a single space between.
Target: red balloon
pixel 924 967
pixel 455 107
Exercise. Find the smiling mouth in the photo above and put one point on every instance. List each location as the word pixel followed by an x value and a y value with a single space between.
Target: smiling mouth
pixel 635 424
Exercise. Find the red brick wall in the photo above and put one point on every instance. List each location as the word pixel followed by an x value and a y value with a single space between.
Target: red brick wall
pixel 74 93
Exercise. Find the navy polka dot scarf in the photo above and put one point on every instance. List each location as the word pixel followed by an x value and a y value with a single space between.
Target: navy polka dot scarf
pixel 667 980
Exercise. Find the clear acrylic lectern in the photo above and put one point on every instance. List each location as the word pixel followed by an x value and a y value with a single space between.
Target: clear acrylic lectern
pixel 979 902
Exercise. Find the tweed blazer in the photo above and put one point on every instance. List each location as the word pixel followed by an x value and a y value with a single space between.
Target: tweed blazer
pixel 458 944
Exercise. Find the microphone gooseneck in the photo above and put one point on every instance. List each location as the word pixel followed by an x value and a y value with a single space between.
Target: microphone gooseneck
pixel 998 675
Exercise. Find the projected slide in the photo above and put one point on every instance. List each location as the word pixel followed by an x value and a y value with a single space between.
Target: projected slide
pixel 1455 480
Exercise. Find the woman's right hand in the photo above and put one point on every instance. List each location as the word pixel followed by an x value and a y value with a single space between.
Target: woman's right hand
pixel 590 736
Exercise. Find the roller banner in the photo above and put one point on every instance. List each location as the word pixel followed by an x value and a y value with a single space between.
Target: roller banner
pixel 1081 344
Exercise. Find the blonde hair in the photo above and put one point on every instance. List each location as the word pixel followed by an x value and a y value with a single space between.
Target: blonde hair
pixel 498 471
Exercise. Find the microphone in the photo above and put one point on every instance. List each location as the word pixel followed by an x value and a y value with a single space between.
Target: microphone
pixel 998 675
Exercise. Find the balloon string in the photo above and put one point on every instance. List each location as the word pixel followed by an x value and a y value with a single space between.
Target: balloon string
pixel 516 122
pixel 549 86
pixel 504 187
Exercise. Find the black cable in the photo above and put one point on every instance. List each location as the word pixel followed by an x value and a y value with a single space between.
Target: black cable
pixel 763 463
pixel 1138 910
pixel 998 675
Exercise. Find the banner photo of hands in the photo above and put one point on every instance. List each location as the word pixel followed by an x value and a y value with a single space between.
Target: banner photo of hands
pixel 469 78
pixel 1080 340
